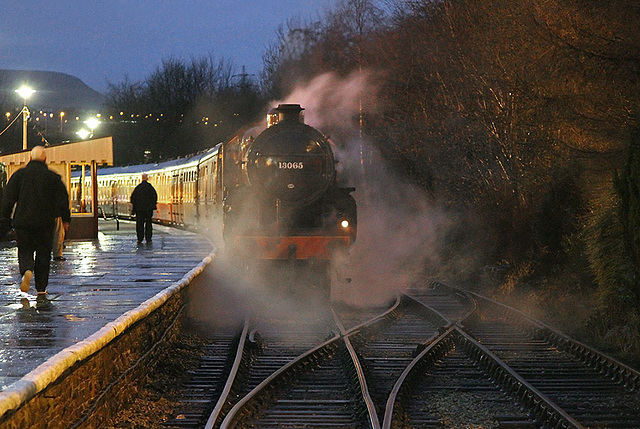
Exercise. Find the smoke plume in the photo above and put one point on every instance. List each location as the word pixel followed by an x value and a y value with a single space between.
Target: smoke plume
pixel 398 228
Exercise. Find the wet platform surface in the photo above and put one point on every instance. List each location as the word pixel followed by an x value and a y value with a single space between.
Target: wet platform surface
pixel 99 281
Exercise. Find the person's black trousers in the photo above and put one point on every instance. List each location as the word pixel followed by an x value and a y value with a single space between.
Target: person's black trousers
pixel 144 226
pixel 38 241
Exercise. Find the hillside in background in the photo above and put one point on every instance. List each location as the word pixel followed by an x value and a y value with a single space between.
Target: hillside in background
pixel 55 91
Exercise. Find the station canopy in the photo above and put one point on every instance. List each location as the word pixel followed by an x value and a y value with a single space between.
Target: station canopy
pixel 99 151
pixel 84 156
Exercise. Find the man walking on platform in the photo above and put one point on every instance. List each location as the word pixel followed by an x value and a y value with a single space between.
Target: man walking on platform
pixel 144 199
pixel 39 196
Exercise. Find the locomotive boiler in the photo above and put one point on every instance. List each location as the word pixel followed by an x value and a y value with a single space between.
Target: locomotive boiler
pixel 282 201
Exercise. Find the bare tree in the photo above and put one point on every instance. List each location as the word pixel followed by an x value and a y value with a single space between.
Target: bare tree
pixel 183 107
pixel 286 62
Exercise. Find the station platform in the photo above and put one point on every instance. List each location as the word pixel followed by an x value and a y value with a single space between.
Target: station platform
pixel 99 281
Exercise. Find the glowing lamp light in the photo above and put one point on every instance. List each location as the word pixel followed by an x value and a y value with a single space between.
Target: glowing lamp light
pixel 25 92
pixel 83 134
pixel 92 123
pixel 344 224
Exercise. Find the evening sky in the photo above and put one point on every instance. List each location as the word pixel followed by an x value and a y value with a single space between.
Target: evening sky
pixel 104 41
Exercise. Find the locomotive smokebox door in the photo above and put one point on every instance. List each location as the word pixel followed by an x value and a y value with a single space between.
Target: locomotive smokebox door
pixel 291 162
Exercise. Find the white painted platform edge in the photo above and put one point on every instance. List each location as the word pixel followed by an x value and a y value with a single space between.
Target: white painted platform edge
pixel 37 380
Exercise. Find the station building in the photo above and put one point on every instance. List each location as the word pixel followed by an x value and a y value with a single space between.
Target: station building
pixel 82 158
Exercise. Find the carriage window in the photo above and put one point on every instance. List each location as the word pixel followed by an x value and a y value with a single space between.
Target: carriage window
pixel 81 195
pixel 3 175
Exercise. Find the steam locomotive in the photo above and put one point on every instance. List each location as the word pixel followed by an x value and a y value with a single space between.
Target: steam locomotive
pixel 273 192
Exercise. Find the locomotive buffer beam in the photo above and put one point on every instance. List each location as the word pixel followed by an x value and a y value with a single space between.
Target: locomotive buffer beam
pixel 290 247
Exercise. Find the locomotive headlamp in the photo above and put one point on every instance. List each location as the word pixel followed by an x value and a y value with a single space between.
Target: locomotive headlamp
pixel 344 224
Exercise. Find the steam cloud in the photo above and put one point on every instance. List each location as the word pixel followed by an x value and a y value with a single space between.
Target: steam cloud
pixel 331 102
pixel 398 229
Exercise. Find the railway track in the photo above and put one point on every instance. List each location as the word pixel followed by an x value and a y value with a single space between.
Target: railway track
pixel 387 344
pixel 308 383
pixel 436 357
pixel 206 384
pixel 594 389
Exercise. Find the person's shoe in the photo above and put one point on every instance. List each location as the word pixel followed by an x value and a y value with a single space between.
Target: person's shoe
pixel 59 258
pixel 25 303
pixel 25 285
pixel 42 302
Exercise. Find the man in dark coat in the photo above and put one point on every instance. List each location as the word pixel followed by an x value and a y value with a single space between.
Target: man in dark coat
pixel 39 196
pixel 144 199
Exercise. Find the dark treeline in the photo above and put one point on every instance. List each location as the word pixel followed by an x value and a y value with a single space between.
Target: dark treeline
pixel 181 108
pixel 520 116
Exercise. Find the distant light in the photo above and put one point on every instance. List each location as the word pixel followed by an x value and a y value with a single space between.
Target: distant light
pixel 92 123
pixel 344 223
pixel 25 92
pixel 83 134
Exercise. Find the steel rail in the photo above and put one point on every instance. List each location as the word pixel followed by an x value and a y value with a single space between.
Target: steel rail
pixel 464 294
pixel 372 416
pixel 233 414
pixel 386 314
pixel 445 321
pixel 224 396
pixel 545 408
pixel 402 303
pixel 541 405
pixel 615 369
pixel 442 341
pixel 371 408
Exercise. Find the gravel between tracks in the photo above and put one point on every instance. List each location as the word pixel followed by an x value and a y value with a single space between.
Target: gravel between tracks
pixel 158 394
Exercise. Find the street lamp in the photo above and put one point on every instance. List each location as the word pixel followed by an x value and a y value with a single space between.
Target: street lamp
pixel 83 134
pixel 25 92
pixel 92 123
pixel 61 118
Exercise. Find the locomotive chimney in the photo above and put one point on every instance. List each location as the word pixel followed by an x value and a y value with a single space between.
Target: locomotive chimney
pixel 288 112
